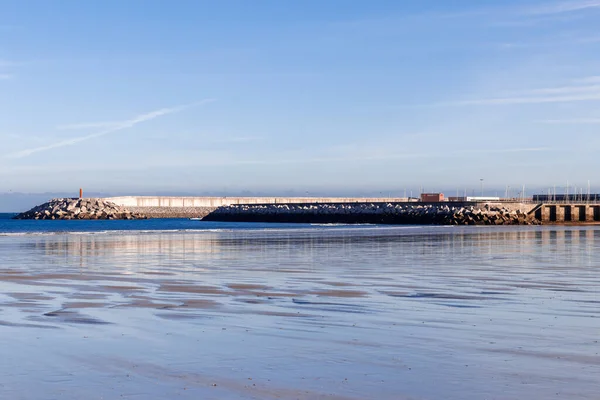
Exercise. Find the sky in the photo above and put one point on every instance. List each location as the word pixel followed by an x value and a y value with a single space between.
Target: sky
pixel 310 97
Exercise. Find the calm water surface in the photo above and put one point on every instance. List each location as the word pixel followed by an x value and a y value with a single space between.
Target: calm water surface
pixel 299 312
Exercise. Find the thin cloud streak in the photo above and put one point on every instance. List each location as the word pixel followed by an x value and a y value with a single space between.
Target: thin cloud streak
pixel 526 15
pixel 590 79
pixel 528 100
pixel 560 94
pixel 5 77
pixel 564 7
pixel 565 90
pixel 122 125
pixel 574 121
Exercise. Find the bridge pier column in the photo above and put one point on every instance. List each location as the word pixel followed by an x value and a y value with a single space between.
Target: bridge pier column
pixel 560 213
pixel 576 213
pixel 545 213
pixel 589 213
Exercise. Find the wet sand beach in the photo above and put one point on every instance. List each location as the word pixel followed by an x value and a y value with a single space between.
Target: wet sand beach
pixel 307 313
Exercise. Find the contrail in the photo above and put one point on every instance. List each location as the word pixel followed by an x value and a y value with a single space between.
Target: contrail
pixel 119 126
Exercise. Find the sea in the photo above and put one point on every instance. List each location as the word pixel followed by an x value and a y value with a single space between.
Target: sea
pixel 181 309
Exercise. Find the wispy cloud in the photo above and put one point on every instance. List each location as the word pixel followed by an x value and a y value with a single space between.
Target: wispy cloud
pixel 567 41
pixel 121 126
pixel 559 94
pixel 563 7
pixel 528 100
pixel 5 77
pixel 567 89
pixel 500 15
pixel 589 79
pixel 573 121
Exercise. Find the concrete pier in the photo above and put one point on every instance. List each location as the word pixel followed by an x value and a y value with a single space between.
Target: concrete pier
pixel 174 201
pixel 568 213
pixel 185 207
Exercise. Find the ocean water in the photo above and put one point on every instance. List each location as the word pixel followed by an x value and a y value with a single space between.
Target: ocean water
pixel 163 309
pixel 11 227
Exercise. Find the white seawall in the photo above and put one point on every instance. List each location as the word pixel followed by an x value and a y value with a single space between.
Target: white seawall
pixel 214 202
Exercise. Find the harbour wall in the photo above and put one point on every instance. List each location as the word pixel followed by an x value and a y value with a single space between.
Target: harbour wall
pixel 190 207
pixel 320 210
pixel 327 210
pixel 214 202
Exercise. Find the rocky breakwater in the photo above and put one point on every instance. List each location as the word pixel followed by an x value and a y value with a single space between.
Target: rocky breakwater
pixel 491 215
pixel 173 212
pixel 66 209
pixel 375 213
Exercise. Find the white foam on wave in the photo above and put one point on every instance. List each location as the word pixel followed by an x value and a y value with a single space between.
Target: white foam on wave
pixel 256 230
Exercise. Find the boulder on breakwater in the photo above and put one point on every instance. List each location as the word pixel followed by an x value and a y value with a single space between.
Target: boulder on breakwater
pixel 375 213
pixel 66 209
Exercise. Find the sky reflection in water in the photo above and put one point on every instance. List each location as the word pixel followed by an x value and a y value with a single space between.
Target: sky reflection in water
pixel 332 313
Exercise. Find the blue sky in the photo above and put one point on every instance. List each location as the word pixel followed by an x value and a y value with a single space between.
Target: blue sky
pixel 312 96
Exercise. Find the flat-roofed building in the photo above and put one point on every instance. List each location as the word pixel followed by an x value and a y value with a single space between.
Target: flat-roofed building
pixel 432 197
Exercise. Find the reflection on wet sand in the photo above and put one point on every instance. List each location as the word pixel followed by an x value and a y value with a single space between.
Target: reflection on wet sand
pixel 316 313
